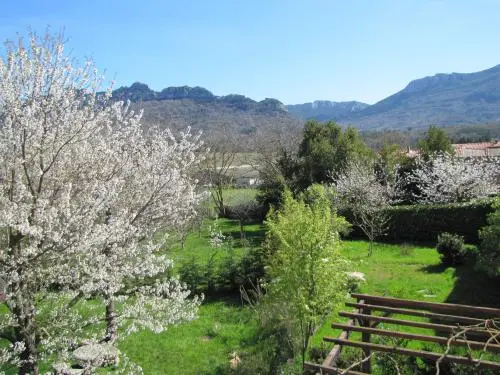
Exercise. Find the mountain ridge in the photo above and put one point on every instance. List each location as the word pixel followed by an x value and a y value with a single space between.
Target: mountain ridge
pixel 442 99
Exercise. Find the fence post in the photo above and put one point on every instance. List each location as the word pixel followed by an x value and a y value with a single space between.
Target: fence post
pixel 365 337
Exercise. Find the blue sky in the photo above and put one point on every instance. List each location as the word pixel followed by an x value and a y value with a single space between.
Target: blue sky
pixel 295 51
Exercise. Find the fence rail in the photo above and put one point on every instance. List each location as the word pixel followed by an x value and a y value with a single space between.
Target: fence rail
pixel 472 327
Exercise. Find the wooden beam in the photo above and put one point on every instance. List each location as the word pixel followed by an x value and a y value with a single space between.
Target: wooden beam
pixel 418 353
pixel 412 336
pixel 425 314
pixel 332 357
pixel 322 369
pixel 410 323
pixel 484 312
pixel 366 365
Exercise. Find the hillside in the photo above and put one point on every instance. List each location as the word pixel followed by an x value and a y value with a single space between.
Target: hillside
pixel 442 99
pixel 322 110
pixel 178 107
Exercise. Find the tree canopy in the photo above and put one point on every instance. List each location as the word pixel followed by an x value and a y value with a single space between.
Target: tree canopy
pixel 84 191
pixel 436 141
pixel 306 268
pixel 325 151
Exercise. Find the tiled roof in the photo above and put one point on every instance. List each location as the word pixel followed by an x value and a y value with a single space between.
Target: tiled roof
pixel 476 149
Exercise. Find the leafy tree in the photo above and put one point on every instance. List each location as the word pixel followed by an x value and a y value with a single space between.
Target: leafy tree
pixel 489 250
pixel 388 160
pixel 304 263
pixel 436 141
pixel 245 209
pixel 83 190
pixel 325 152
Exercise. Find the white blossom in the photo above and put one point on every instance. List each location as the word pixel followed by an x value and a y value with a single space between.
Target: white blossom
pixel 358 191
pixel 84 192
pixel 446 179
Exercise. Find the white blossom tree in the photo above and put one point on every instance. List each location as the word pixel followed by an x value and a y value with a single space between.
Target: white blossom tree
pixel 446 179
pixel 83 189
pixel 359 191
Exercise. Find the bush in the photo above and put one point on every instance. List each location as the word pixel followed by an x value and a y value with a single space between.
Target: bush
pixel 424 222
pixel 191 273
pixel 223 275
pixel 451 248
pixel 489 250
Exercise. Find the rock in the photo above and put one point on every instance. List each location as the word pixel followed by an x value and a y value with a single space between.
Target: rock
pixel 64 369
pixel 96 355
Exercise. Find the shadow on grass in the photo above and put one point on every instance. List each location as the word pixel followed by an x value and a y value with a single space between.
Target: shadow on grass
pixel 255 236
pixel 434 268
pixel 473 287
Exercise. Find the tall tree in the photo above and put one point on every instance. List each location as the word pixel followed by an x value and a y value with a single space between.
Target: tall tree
pixel 436 141
pixel 326 150
pixel 220 163
pixel 83 190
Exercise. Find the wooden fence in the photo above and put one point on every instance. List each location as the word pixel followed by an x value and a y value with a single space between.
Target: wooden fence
pixel 473 327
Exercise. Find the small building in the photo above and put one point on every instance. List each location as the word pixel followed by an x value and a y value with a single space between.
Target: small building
pixel 480 149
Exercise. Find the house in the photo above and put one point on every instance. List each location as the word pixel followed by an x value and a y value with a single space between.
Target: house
pixel 466 150
pixel 477 149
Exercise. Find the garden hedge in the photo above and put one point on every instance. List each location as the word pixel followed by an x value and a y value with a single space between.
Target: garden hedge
pixel 424 222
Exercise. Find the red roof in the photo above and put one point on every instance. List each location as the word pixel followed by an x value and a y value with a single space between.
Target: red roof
pixel 460 148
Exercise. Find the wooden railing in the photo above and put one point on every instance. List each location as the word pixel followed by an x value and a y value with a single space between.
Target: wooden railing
pixel 474 327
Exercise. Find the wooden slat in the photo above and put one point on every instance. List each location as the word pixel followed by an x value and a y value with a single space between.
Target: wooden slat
pixel 402 322
pixel 330 370
pixel 331 358
pixel 485 312
pixel 418 353
pixel 412 336
pixel 410 323
pixel 425 314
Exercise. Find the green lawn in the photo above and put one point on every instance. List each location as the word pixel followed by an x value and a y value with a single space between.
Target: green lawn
pixel 203 346
pixel 225 326
pixel 412 272
pixel 197 244
pixel 403 271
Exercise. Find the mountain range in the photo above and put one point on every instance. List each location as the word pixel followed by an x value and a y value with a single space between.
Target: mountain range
pixel 178 107
pixel 442 99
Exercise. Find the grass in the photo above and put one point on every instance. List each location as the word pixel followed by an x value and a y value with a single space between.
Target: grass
pixel 234 195
pixel 197 243
pixel 203 346
pixel 413 272
pixel 404 271
pixel 224 326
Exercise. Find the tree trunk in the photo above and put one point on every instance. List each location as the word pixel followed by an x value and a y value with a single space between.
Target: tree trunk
pixel 242 232
pixel 29 355
pixel 111 324
pixel 25 333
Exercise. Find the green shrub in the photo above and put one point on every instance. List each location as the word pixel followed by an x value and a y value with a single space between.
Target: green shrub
pixel 191 273
pixel 489 250
pixel 226 275
pixel 451 248
pixel 424 222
